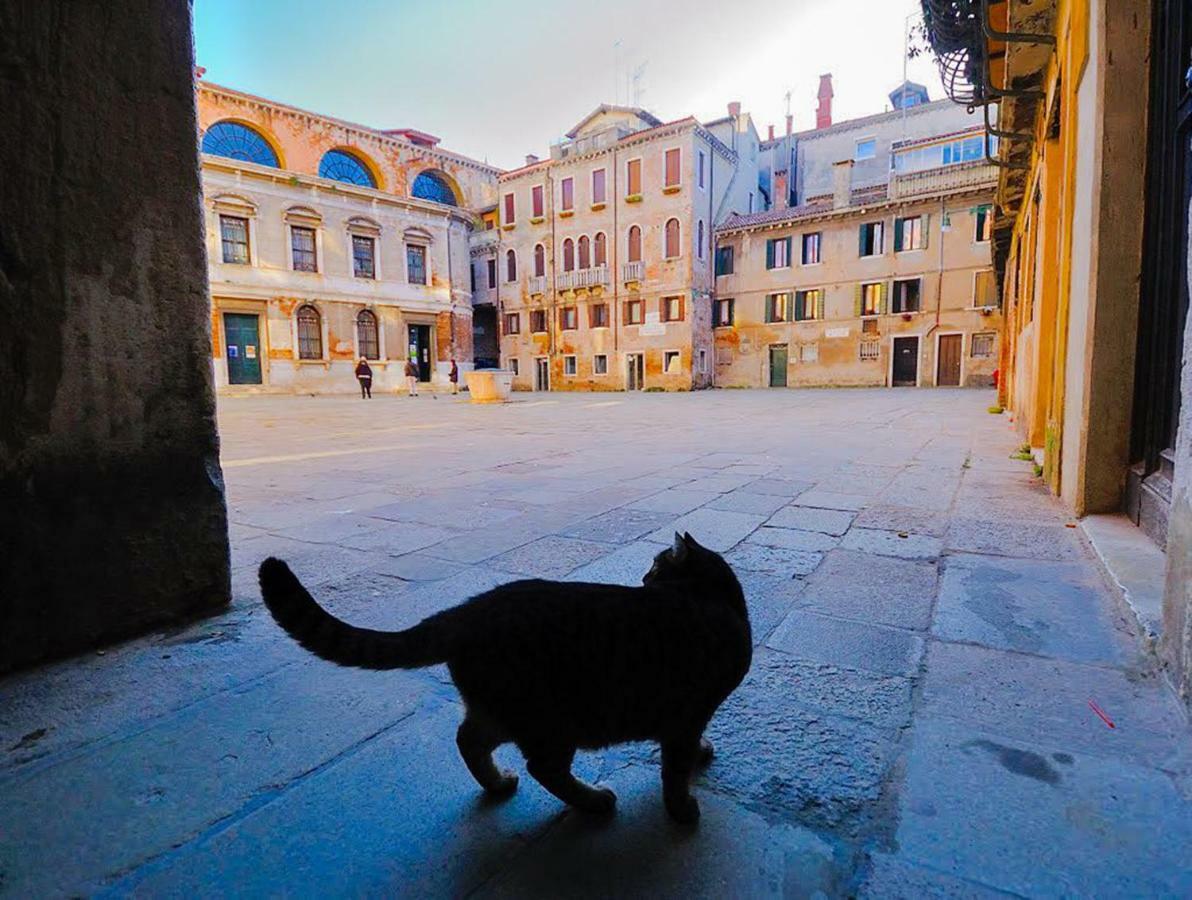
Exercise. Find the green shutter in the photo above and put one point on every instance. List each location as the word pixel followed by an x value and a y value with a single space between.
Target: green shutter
pixel 769 254
pixel 898 233
pixel 885 302
pixel 790 262
pixel 857 301
pixel 800 306
pixel 861 241
pixel 926 229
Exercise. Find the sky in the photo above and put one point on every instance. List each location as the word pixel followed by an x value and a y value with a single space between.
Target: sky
pixel 499 79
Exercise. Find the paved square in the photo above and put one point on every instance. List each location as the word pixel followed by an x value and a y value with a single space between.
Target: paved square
pixel 915 722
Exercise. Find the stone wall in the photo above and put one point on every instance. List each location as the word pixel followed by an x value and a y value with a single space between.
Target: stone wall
pixel 112 496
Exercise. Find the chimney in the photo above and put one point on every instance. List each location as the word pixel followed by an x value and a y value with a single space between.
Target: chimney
pixel 734 109
pixel 823 112
pixel 842 183
pixel 781 194
pixel 790 121
pixel 531 159
pixel 771 137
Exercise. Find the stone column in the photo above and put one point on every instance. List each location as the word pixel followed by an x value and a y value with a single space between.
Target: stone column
pixel 112 515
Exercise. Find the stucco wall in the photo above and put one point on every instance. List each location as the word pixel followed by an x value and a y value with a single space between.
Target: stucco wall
pixel 113 506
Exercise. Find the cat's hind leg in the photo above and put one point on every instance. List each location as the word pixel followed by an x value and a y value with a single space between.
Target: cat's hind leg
pixel 552 769
pixel 476 743
pixel 679 759
pixel 706 753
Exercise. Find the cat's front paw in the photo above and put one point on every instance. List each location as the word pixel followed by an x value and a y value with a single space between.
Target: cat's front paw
pixel 600 801
pixel 684 810
pixel 504 787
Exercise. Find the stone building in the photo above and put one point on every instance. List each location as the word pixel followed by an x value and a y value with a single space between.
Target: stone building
pixel 603 272
pixel 1091 246
pixel 328 241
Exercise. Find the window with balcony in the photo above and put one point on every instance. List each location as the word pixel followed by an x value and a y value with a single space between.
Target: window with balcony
pixel 907 295
pixel 585 252
pixel 633 312
pixel 568 318
pixel 539 261
pixel 569 365
pixel 982 344
pixel 568 255
pixel 671 309
pixel 233 233
pixel 510 210
pixel 869 350
pixel 633 178
pixel 537 203
pixel 634 253
pixel 871 243
pixel 811 248
pixel 538 321
pixel 567 194
pixel 724 260
pixel 512 323
pixel 722 313
pixel 984 224
pixel 510 265
pixel 671 243
pixel 870 297
pixel 599 191
pixel 809 305
pixel 778 253
pixel 416 264
pixel 600 249
pixel 672 172
pixel 600 364
pixel 364 263
pixel 909 234
pixel 302 249
pixel 778 307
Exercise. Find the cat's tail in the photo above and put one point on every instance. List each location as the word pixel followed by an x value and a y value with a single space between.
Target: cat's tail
pixel 336 641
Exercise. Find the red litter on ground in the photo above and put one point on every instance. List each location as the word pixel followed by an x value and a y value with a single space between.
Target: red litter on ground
pixel 1104 718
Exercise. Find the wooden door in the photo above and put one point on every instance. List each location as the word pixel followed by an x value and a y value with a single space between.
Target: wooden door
pixel 778 365
pixel 242 348
pixel 542 374
pixel 906 362
pixel 634 371
pixel 948 371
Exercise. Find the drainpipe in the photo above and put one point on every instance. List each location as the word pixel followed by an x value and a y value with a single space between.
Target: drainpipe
pixel 712 263
pixel 614 313
pixel 550 326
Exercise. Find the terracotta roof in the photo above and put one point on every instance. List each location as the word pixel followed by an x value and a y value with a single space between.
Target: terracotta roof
pixel 646 117
pixel 816 206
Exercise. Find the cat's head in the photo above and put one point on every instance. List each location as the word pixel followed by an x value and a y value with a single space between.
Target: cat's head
pixel 688 561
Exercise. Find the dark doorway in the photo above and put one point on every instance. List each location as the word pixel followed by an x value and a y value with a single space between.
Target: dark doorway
pixel 906 362
pixel 486 350
pixel 420 350
pixel 242 347
pixel 948 366
pixel 778 365
pixel 542 374
pixel 635 371
pixel 1163 300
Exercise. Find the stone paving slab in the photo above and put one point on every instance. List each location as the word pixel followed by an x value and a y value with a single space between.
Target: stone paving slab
pixel 893 878
pixel 549 557
pixel 1013 538
pixel 903 518
pixel 793 539
pixel 804 518
pixel 713 528
pixel 626 565
pixel 619 526
pixel 675 500
pixel 742 501
pixel 811 636
pixel 881 590
pixel 775 561
pixel 417 567
pixel 902 544
pixel 821 499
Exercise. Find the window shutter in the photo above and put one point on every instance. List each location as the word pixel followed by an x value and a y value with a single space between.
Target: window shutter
pixel 800 306
pixel 925 224
pixel 769 254
pixel 899 233
pixel 857 301
pixel 885 302
pixel 861 241
pixel 787 241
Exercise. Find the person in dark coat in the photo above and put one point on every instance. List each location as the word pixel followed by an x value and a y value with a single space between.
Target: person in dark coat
pixel 412 377
pixel 364 376
pixel 454 376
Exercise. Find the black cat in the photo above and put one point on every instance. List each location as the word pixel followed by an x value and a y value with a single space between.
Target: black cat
pixel 558 666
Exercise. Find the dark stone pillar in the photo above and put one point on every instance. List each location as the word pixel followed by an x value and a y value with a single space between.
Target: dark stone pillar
pixel 112 515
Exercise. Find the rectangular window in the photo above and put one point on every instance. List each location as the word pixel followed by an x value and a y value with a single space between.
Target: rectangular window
pixel 778 307
pixel 598 315
pixel 871 298
pixel 672 167
pixel 568 365
pixel 866 149
pixel 598 191
pixel 513 365
pixel 982 344
pixel 492 273
pixel 870 350
pixel 510 211
pixel 233 233
pixel 633 177
pixel 672 309
pixel 537 204
pixel 869 326
pixel 363 259
pixel 702 160
pixel 567 190
pixel 538 320
pixel 778 253
pixel 908 234
pixel 633 312
pixel 568 318
pixel 811 248
pixel 809 353
pixel 984 293
pixel 512 323
pixel 302 246
pixel 600 364
pixel 703 362
pixel 416 264
pixel 809 305
pixel 871 243
pixel 906 295
pixel 984 219
pixel 722 313
pixel 724 260
pixel 672 362
pixel 751 201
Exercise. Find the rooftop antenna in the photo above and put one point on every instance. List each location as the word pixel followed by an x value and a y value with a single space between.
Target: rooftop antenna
pixel 617 72
pixel 638 90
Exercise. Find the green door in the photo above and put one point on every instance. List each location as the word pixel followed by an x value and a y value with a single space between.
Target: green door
pixel 242 345
pixel 778 365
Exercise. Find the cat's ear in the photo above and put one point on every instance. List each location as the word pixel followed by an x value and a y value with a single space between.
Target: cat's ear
pixel 689 540
pixel 679 551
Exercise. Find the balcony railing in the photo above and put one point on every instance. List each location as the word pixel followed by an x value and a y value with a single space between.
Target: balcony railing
pixel 942 179
pixel 633 271
pixel 538 285
pixel 583 278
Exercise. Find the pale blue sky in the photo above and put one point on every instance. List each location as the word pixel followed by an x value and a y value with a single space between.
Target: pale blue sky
pixel 503 78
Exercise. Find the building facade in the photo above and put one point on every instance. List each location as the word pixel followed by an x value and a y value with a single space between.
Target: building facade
pixel 328 242
pixel 603 269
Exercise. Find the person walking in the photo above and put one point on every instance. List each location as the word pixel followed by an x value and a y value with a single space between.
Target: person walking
pixel 412 376
pixel 454 376
pixel 364 376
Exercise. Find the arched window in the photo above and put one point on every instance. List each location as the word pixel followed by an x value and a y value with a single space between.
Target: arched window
pixel 635 244
pixel 340 165
pixel 568 255
pixel 599 250
pixel 366 335
pixel 434 187
pixel 671 247
pixel 539 261
pixel 585 252
pixel 510 266
pixel 699 240
pixel 310 333
pixel 236 141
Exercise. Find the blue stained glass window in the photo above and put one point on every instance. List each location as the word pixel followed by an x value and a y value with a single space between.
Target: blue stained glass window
pixel 339 165
pixel 236 141
pixel 434 187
